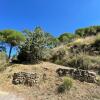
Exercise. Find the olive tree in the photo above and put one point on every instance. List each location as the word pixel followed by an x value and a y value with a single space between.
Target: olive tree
pixel 31 50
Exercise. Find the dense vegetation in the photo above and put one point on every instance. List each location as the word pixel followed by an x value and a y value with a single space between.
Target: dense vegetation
pixel 88 31
pixel 34 46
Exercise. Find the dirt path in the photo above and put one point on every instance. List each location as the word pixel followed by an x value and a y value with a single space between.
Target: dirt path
pixel 9 96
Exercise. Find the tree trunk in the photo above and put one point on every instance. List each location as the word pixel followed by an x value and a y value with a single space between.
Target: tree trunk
pixel 10 51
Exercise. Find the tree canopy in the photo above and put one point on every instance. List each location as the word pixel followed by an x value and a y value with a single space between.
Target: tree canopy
pixel 11 37
pixel 88 31
pixel 31 50
pixel 66 37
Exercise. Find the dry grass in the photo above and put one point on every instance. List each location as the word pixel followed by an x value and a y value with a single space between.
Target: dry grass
pixel 87 40
pixel 3 61
pixel 47 89
pixel 81 41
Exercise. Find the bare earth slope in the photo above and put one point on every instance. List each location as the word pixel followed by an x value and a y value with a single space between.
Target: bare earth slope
pixel 9 96
pixel 46 89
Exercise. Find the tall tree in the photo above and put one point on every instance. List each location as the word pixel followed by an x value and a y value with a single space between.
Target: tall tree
pixel 12 37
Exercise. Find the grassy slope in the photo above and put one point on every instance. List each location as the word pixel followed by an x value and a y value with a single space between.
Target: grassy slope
pixel 46 90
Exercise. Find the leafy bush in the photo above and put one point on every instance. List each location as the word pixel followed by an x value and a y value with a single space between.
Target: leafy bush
pixel 32 50
pixel 66 85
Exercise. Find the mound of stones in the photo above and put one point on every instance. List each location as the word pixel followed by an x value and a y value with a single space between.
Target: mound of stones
pixel 24 78
pixel 81 75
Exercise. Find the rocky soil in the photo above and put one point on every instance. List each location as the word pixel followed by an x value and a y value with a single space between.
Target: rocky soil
pixel 46 87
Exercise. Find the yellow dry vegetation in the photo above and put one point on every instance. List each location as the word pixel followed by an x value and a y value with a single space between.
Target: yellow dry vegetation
pixel 47 88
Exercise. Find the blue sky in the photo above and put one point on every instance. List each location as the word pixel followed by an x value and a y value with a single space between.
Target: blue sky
pixel 54 16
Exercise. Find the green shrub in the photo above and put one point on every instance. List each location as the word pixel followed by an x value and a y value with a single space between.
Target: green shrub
pixel 31 50
pixel 66 37
pixel 66 85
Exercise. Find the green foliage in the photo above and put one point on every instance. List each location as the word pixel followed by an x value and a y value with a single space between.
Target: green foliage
pixel 32 49
pixel 66 37
pixel 51 41
pixel 92 30
pixel 50 38
pixel 66 85
pixel 80 32
pixel 56 42
pixel 11 37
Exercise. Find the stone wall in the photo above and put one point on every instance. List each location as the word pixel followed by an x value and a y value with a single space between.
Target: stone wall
pixel 24 78
pixel 82 75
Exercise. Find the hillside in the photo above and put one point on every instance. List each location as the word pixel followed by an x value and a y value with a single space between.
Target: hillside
pixel 46 89
pixel 69 71
pixel 82 53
